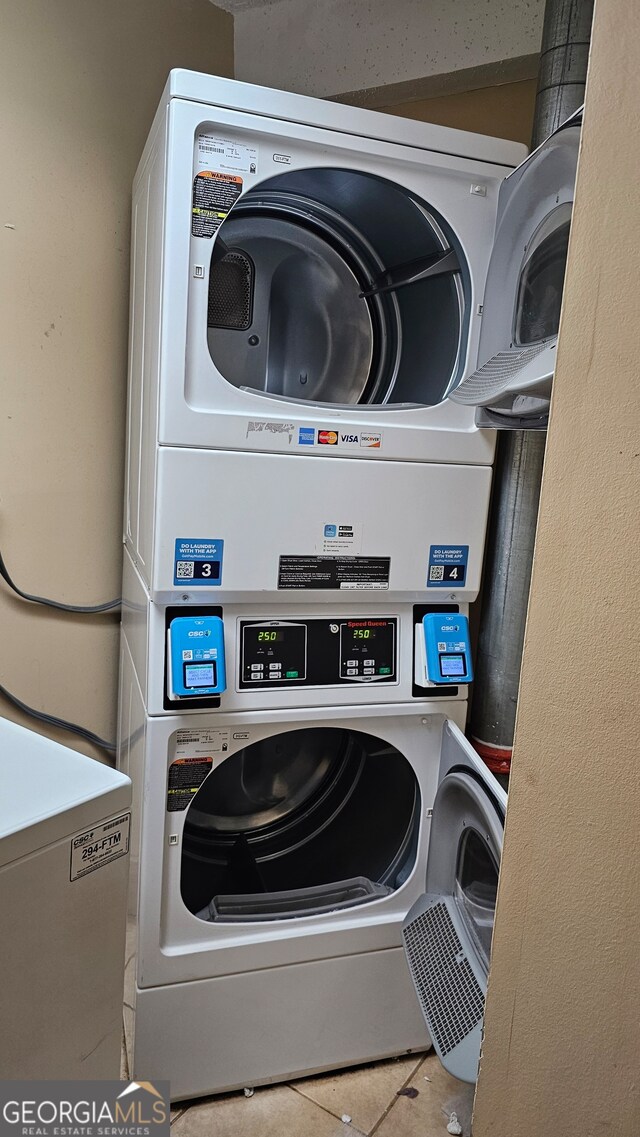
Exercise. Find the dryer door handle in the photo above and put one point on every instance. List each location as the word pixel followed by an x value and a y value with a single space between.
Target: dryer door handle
pixel 411 272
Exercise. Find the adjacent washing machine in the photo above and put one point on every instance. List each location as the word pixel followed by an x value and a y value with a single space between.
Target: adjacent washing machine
pixel 276 854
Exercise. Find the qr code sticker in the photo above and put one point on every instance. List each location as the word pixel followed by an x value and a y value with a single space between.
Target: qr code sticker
pixel 436 572
pixel 184 570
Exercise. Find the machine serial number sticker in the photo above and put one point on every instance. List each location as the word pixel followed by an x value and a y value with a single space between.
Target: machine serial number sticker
pixel 214 195
pixel 186 775
pixel 100 845
pixel 198 561
pixel 344 573
pixel 447 566
pixel 225 154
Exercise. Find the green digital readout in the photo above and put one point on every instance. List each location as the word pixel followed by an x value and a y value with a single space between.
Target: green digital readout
pixel 269 636
pixel 361 633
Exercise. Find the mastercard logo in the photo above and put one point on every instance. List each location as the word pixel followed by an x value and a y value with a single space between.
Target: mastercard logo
pixel 328 437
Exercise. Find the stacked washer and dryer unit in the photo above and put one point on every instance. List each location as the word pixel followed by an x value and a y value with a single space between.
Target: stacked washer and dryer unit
pixel 304 505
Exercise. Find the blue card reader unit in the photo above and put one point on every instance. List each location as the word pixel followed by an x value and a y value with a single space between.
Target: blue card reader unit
pixel 448 651
pixel 195 657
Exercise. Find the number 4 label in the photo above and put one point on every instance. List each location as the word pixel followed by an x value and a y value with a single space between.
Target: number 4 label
pixel 447 566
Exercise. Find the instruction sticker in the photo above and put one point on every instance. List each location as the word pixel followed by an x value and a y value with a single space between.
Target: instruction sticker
pixel 186 775
pixel 96 847
pixel 214 195
pixel 447 566
pixel 226 155
pixel 344 573
pixel 198 561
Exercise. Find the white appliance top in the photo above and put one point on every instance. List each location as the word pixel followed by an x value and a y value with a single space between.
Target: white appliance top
pixel 216 91
pixel 48 791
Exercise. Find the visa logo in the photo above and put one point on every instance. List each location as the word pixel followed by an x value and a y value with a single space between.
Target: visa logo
pixel 349 438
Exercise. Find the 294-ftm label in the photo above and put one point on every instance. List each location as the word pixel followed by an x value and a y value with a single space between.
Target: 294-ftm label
pixel 344 573
pixel 97 846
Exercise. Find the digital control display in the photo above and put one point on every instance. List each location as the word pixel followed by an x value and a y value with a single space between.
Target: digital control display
pixel 314 652
pixel 273 653
pixel 199 675
pixel 452 665
pixel 367 649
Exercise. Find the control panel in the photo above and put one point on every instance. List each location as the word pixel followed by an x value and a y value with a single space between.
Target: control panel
pixel 317 652
pixel 195 654
pixel 443 651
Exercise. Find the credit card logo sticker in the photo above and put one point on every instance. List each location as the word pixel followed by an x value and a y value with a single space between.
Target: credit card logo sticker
pixel 306 436
pixel 371 441
pixel 327 438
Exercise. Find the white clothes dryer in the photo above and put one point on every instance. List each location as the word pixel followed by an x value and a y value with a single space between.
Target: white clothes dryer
pixel 276 854
pixel 308 277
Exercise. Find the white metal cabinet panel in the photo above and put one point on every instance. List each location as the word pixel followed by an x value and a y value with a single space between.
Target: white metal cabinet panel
pixel 263 510
pixel 216 91
pixel 148 227
pixel 276 1024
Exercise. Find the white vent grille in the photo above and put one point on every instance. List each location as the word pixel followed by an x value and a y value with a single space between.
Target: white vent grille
pixel 450 995
pixel 496 375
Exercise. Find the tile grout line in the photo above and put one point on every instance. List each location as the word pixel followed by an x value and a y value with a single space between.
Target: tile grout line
pixel 387 1110
pixel 325 1109
pixel 394 1100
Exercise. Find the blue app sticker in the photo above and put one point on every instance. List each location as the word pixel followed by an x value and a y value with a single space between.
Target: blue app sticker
pixel 331 530
pixel 447 566
pixel 198 561
pixel 306 436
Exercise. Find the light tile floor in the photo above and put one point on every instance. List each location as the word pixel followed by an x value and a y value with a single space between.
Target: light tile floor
pixel 402 1097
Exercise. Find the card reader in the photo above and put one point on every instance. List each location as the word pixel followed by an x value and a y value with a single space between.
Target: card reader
pixel 443 651
pixel 195 657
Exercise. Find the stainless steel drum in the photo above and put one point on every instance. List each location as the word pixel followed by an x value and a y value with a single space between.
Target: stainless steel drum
pixel 310 335
pixel 337 287
pixel 300 813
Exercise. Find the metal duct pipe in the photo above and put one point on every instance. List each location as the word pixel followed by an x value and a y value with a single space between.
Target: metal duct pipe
pixel 520 454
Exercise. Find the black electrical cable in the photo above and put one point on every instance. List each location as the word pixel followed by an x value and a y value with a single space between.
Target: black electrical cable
pixel 52 720
pixel 87 609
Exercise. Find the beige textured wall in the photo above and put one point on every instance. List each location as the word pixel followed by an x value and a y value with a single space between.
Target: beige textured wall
pixel 562 1038
pixel 504 110
pixel 79 83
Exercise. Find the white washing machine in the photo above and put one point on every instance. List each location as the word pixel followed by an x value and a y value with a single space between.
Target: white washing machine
pixel 276 854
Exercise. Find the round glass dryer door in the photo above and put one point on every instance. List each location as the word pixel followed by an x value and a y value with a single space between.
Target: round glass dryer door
pixel 305 821
pixel 338 288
